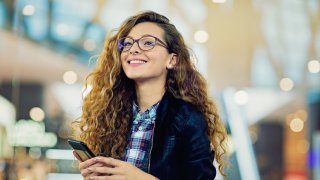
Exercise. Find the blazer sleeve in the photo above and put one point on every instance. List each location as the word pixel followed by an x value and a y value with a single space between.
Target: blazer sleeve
pixel 198 158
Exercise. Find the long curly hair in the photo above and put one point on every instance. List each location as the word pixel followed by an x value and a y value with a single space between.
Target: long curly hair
pixel 107 109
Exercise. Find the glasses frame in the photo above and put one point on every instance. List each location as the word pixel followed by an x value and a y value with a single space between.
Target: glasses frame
pixel 157 41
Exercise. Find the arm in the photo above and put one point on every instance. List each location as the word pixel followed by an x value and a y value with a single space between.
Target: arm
pixel 198 158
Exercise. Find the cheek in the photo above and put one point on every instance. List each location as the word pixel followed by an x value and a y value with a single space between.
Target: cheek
pixel 163 59
pixel 122 57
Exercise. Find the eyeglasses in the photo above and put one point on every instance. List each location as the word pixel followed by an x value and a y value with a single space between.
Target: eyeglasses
pixel 145 43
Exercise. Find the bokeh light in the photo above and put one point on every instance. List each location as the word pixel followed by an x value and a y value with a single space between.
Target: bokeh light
pixel 296 125
pixel 241 97
pixel 286 84
pixel 37 114
pixel 28 10
pixel 201 36
pixel 70 77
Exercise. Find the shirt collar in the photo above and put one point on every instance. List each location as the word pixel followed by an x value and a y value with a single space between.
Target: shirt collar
pixel 152 109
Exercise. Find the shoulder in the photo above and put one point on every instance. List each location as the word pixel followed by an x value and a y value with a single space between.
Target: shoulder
pixel 178 114
pixel 184 109
pixel 187 115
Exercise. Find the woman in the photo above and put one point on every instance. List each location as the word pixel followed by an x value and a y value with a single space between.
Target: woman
pixel 148 114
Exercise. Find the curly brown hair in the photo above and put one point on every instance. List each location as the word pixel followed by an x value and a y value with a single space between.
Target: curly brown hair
pixel 107 109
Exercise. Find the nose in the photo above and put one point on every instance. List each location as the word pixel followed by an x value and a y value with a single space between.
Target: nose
pixel 135 49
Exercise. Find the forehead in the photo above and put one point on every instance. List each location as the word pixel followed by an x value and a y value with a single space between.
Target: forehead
pixel 146 28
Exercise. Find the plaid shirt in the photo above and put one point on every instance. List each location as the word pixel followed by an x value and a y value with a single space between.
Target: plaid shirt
pixel 140 140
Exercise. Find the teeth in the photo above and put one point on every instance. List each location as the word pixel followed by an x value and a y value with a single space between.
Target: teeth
pixel 137 62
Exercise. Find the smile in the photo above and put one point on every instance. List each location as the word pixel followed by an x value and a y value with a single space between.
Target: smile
pixel 137 62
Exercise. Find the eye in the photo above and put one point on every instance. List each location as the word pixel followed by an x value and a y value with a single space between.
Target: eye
pixel 127 43
pixel 148 42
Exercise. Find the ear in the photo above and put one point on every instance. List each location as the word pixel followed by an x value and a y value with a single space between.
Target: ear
pixel 172 62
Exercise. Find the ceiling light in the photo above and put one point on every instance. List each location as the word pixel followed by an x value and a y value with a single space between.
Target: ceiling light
pixel 37 114
pixel 28 10
pixel 296 125
pixel 241 97
pixel 201 36
pixel 286 84
pixel 314 66
pixel 70 77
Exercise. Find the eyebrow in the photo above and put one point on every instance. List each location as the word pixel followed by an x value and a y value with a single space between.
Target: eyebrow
pixel 145 35
pixel 162 42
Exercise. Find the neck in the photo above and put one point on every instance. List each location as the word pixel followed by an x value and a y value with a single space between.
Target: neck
pixel 149 93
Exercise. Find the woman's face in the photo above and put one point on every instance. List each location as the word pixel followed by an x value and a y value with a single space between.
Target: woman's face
pixel 147 65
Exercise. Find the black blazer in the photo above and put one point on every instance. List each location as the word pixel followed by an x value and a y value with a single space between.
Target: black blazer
pixel 181 147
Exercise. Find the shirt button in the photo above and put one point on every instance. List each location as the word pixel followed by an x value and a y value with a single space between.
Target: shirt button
pixel 140 128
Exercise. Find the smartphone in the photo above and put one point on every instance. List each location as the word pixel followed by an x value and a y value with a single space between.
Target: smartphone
pixel 81 149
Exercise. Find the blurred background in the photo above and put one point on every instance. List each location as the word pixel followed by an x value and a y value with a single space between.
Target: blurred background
pixel 261 59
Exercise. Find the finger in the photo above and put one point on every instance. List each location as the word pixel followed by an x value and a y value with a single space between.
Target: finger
pixel 98 164
pixel 88 172
pixel 90 175
pixel 109 161
pixel 105 170
pixel 83 167
pixel 114 177
pixel 87 163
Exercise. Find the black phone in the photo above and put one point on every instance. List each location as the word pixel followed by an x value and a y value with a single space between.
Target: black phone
pixel 81 149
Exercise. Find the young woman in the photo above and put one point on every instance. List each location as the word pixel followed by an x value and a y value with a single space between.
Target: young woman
pixel 149 114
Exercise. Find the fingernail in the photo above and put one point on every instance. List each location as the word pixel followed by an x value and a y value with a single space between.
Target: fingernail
pixel 89 169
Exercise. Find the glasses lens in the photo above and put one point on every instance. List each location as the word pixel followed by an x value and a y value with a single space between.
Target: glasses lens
pixel 124 44
pixel 147 43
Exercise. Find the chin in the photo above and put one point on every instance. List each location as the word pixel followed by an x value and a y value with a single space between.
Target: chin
pixel 134 77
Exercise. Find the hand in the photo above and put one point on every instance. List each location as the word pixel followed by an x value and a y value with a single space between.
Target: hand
pixel 83 165
pixel 115 169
